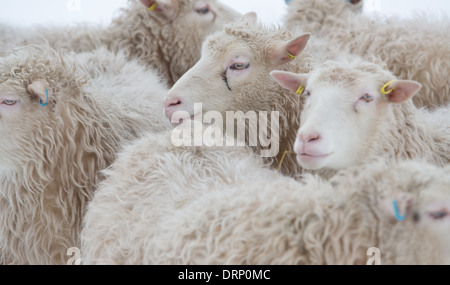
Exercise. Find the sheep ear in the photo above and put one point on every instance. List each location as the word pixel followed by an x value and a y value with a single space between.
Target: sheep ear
pixel 39 89
pixel 289 51
pixel 166 8
pixel 403 90
pixel 396 207
pixel 290 81
pixel 251 18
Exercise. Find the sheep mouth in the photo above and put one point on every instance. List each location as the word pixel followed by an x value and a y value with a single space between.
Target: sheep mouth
pixel 309 158
pixel 306 155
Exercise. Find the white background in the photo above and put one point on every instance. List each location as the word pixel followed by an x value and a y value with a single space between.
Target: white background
pixel 29 12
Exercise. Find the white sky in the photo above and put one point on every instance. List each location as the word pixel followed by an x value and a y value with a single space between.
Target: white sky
pixel 28 12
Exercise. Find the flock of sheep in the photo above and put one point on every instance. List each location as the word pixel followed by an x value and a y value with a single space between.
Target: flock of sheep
pixel 87 159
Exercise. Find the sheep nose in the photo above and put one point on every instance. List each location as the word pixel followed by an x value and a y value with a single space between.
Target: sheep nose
pixel 309 138
pixel 170 106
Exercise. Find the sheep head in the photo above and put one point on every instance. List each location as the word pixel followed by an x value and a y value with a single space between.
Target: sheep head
pixel 168 34
pixel 348 105
pixel 233 72
pixel 33 80
pixel 204 14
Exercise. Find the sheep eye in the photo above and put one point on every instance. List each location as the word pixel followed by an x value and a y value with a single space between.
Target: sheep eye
pixel 438 215
pixel 367 98
pixel 239 66
pixel 9 102
pixel 307 93
pixel 203 11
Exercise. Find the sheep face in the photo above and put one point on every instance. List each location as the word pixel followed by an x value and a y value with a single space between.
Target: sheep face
pixel 344 112
pixel 426 211
pixel 209 16
pixel 410 199
pixel 233 72
pixel 432 214
pixel 204 14
pixel 29 89
pixel 20 116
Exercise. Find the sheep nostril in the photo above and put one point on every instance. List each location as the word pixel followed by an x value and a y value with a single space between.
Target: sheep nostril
pixel 172 103
pixel 313 139
pixel 309 138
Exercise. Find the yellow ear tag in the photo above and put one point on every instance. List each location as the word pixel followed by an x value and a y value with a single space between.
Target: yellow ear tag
pixel 300 90
pixel 383 89
pixel 291 57
pixel 153 7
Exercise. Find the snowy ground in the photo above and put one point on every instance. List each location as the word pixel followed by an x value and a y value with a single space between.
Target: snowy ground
pixel 29 12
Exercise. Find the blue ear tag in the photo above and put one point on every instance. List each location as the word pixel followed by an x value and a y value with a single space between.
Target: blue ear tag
pixel 397 213
pixel 46 103
pixel 288 1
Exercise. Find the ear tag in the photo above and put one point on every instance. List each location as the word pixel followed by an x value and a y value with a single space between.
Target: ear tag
pixel 291 57
pixel 383 89
pixel 300 90
pixel 397 212
pixel 153 7
pixel 46 103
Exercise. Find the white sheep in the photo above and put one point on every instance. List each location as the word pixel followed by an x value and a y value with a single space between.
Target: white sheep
pixel 318 16
pixel 316 222
pixel 413 48
pixel 233 75
pixel 167 37
pixel 150 180
pixel 356 111
pixel 166 205
pixel 58 130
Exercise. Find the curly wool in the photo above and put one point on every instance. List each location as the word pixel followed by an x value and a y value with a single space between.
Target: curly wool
pixel 317 16
pixel 171 48
pixel 150 180
pixel 314 222
pixel 221 206
pixel 50 159
pixel 413 48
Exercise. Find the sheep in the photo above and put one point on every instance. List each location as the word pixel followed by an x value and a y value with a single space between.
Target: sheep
pixel 317 16
pixel 167 37
pixel 150 180
pixel 235 64
pixel 413 49
pixel 58 130
pixel 356 111
pixel 316 222
pixel 176 205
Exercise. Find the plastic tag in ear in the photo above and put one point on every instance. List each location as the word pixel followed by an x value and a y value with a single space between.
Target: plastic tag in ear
pixel 153 7
pixel 300 90
pixel 383 89
pixel 291 57
pixel 397 212
pixel 46 95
